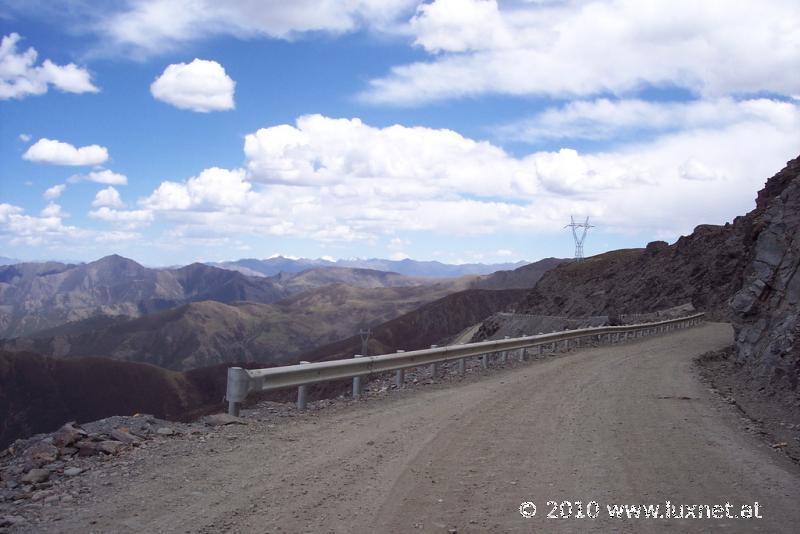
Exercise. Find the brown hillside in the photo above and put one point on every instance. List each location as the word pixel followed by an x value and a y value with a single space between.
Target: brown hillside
pixel 704 268
pixel 39 394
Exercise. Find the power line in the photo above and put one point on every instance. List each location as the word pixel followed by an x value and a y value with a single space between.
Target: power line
pixel 579 239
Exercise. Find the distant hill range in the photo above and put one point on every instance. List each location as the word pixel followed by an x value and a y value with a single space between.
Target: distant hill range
pixel 35 296
pixel 199 334
pixel 215 316
pixel 407 267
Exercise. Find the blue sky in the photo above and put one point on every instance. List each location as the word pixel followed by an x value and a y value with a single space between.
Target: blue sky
pixel 456 130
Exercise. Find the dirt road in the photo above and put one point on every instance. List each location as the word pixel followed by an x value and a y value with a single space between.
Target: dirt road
pixel 627 424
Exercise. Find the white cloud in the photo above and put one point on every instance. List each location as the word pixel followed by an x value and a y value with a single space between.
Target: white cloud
pixel 54 192
pixel 150 27
pixel 212 189
pixel 24 137
pixel 354 159
pixel 504 252
pixel 460 25
pixel 340 180
pixel 46 229
pixel 116 236
pixel 588 48
pixel 398 256
pixel 201 85
pixel 108 197
pixel 20 77
pixel 102 176
pixel 126 218
pixel 398 243
pixel 605 119
pixel 55 152
pixel 693 169
pixel 51 210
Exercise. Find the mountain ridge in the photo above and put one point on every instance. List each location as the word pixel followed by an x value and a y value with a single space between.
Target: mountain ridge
pixel 408 267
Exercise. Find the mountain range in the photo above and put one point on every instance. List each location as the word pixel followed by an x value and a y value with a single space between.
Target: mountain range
pixel 408 267
pixel 199 334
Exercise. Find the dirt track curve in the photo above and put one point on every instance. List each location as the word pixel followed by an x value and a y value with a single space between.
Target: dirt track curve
pixel 621 424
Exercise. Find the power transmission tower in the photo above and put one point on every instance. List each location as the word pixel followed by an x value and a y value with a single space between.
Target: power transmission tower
pixel 365 335
pixel 579 239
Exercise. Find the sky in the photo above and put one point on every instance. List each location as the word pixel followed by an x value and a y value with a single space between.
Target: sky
pixel 173 131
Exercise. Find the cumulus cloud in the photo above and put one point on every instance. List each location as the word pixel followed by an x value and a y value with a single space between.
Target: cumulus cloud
pixel 54 192
pixel 150 27
pixel 126 218
pixel 108 197
pixel 101 176
pixel 52 210
pixel 355 159
pixel 45 229
pixel 213 188
pixel 201 85
pixel 55 152
pixel 340 180
pixel 460 25
pixel 21 77
pixel 587 48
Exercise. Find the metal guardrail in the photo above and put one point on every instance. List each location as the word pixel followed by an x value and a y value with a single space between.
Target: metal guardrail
pixel 241 382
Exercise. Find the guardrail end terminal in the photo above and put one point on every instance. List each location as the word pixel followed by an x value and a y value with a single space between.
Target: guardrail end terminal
pixel 237 388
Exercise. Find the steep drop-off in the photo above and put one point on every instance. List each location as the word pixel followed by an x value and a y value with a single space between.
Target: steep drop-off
pixel 39 394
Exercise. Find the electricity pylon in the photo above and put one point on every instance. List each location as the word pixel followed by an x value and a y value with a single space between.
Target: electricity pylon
pixel 579 239
pixel 364 335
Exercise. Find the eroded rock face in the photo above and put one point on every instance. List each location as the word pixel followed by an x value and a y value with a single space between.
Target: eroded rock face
pixel 765 312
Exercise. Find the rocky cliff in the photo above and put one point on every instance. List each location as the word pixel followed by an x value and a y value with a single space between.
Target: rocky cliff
pixel 765 312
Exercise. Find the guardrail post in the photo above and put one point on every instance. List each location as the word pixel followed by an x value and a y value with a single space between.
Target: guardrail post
pixel 504 354
pixel 302 394
pixel 356 383
pixel 237 388
pixel 434 365
pixel 485 361
pixel 523 352
pixel 400 376
pixel 462 366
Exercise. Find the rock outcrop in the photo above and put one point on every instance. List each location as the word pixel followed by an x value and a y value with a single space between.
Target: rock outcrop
pixel 765 312
pixel 704 268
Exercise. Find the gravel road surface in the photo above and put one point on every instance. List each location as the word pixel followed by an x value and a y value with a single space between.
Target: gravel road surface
pixel 623 424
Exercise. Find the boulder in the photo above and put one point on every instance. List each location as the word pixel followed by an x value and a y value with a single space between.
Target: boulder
pixel 36 476
pixel 67 435
pixel 40 454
